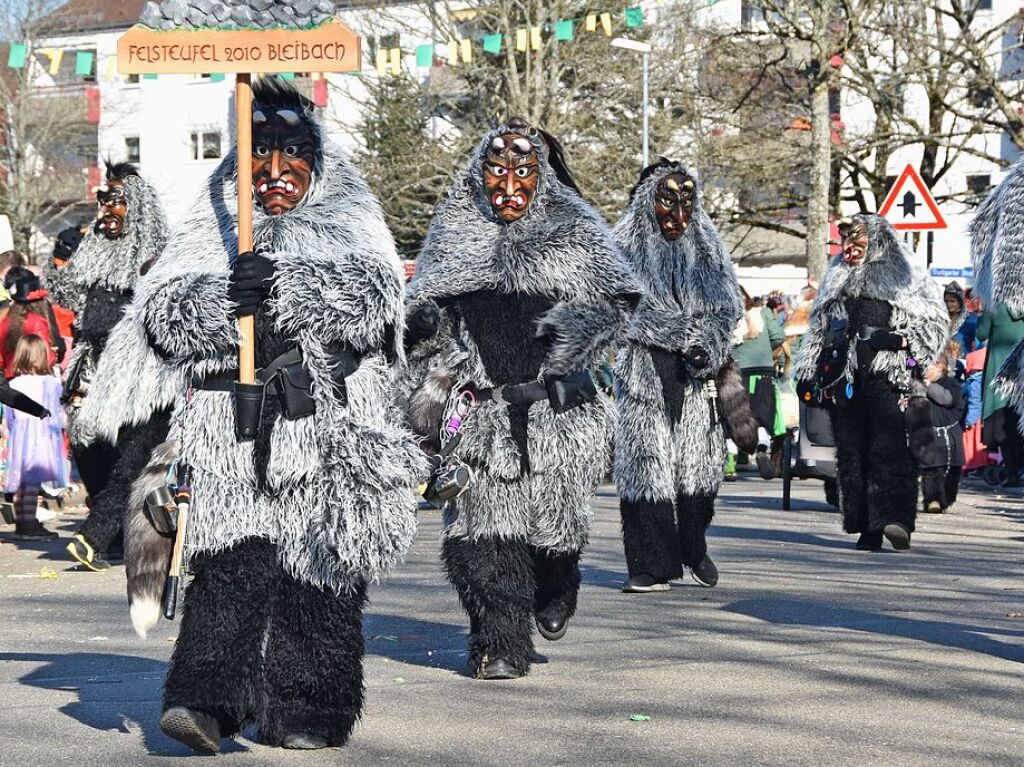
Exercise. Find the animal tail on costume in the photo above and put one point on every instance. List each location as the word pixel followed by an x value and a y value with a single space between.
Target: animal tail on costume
pixel 147 553
pixel 426 408
pixel 735 404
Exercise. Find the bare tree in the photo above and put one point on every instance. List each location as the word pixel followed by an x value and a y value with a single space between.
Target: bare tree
pixel 43 132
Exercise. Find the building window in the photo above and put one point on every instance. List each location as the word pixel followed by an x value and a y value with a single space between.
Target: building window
pixel 979 184
pixel 984 5
pixel 131 149
pixel 206 145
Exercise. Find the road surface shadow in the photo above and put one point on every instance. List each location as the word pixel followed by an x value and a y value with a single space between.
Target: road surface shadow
pixel 420 643
pixel 964 636
pixel 114 692
pixel 779 536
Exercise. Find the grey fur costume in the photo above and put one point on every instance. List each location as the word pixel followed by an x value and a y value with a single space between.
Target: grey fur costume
pixel 560 250
pixel 337 499
pixel 997 242
pixel 886 274
pixel 97 285
pixel 692 299
pixel 877 470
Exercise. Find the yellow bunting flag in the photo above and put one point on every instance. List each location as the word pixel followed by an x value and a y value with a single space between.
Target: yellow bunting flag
pixel 112 67
pixel 535 37
pixel 591 22
pixel 453 52
pixel 521 40
pixel 467 51
pixel 318 76
pixel 382 61
pixel 56 56
pixel 396 61
pixel 606 23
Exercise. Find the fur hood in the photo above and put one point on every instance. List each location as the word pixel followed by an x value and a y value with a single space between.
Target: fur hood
pixel 886 274
pixel 691 292
pixel 115 264
pixel 561 247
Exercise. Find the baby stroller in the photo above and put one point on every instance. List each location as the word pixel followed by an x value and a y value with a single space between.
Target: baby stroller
pixel 809 453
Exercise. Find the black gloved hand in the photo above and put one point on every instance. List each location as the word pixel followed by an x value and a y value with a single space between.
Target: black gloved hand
pixel 250 283
pixel 422 324
pixel 886 341
pixel 44 413
pixel 696 359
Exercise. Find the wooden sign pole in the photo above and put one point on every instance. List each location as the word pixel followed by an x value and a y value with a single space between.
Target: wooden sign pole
pixel 243 132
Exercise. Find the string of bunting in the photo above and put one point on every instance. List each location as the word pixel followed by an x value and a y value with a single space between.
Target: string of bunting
pixel 389 60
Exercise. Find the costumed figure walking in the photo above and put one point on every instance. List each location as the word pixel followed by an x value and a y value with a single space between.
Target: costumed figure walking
pixel 518 293
pixel 670 443
pixel 877 324
pixel 284 530
pixel 97 283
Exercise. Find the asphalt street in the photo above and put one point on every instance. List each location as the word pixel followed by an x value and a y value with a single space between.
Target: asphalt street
pixel 807 653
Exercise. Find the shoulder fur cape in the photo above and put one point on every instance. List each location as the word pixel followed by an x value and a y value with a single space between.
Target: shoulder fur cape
pixel 691 298
pixel 562 250
pixel 886 274
pixel 997 251
pixel 339 495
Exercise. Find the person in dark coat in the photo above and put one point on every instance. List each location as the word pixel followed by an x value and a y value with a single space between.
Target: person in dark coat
pixel 943 461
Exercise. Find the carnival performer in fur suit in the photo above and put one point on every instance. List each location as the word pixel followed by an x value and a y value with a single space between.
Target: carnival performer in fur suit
pixel 997 250
pixel 877 323
pixel 670 443
pixel 130 230
pixel 518 293
pixel 285 530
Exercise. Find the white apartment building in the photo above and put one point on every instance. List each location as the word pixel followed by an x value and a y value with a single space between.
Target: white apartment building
pixel 177 127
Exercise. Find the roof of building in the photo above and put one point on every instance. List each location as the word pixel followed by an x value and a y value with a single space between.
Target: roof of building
pixel 91 15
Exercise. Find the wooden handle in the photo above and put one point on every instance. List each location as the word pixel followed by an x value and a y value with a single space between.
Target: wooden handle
pixel 174 573
pixel 243 131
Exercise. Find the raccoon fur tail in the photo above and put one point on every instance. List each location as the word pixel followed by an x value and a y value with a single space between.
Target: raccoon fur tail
pixel 735 406
pixel 147 553
pixel 426 408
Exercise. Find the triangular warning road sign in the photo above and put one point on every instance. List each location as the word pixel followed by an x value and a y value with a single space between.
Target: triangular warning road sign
pixel 909 206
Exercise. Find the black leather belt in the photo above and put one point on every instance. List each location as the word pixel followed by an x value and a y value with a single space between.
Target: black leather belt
pixel 514 394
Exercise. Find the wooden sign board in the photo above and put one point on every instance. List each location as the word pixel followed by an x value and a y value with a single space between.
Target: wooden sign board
pixel 331 47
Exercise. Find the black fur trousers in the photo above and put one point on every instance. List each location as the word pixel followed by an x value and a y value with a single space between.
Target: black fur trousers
pixel 258 646
pixel 942 485
pixel 877 472
pixel 107 508
pixel 660 537
pixel 503 586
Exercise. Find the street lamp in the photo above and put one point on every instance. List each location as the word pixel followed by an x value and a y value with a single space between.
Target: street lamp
pixel 645 50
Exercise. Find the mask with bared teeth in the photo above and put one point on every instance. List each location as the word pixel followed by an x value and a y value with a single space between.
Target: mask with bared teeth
pixel 854 236
pixel 283 155
pixel 674 201
pixel 511 174
pixel 112 202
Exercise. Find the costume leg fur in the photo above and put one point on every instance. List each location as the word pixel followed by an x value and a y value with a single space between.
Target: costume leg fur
pixel 849 431
pixel 952 485
pixel 495 582
pixel 134 446
pixel 933 487
pixel 313 663
pixel 650 539
pixel 694 513
pixel 890 467
pixel 215 666
pixel 558 583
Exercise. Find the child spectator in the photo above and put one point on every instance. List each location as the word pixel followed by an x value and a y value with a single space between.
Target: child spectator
pixel 31 313
pixel 975 453
pixel 941 466
pixel 35 446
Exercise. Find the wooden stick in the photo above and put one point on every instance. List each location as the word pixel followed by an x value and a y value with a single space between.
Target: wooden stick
pixel 184 500
pixel 243 130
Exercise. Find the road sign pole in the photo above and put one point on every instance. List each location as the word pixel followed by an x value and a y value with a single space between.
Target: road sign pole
pixel 931 241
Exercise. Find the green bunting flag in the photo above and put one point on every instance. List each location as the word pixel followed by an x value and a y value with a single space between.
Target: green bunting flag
pixel 287 75
pixel 425 56
pixel 492 44
pixel 217 77
pixel 634 17
pixel 83 63
pixel 17 56
pixel 563 30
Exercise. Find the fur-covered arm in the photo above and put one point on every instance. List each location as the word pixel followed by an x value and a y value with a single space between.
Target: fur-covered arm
pixel 580 332
pixel 659 326
pixel 812 343
pixel 356 298
pixel 190 318
pixel 921 317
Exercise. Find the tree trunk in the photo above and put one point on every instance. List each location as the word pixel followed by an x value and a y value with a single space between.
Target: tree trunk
pixel 821 167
